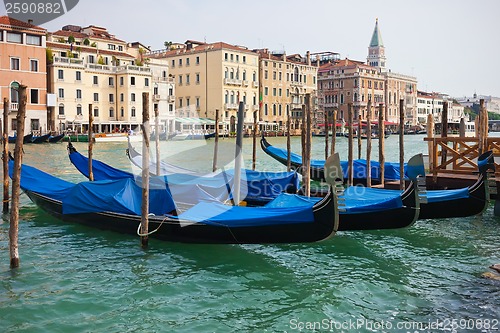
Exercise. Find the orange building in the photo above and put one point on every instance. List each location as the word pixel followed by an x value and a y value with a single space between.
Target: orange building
pixel 23 60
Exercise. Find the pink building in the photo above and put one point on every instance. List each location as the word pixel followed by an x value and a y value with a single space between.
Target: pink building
pixel 23 61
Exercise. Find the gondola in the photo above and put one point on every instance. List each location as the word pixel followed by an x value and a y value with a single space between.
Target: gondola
pixel 56 138
pixel 27 138
pixel 391 171
pixel 436 204
pixel 40 139
pixel 116 206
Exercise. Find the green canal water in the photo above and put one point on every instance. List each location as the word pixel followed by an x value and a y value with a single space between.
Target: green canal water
pixel 77 279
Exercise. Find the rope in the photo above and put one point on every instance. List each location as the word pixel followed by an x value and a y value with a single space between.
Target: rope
pixel 151 232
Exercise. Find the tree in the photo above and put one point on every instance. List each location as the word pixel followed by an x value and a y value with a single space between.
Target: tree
pixel 71 39
pixel 86 42
pixel 50 55
pixel 167 45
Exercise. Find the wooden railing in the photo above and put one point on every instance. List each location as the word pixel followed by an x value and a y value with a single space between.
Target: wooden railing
pixel 458 155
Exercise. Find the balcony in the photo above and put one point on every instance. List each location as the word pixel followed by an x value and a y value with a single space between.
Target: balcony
pixel 171 99
pixel 296 106
pixel 255 84
pixel 230 106
pixel 61 116
pixel 256 107
pixel 245 83
pixel 234 82
pixel 162 79
pixel 132 69
pixel 68 61
pixel 99 68
pixel 156 98
pixel 14 107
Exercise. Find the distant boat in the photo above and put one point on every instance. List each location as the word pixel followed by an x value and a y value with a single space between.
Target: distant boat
pixel 27 138
pixel 116 137
pixel 56 138
pixel 41 138
pixel 364 136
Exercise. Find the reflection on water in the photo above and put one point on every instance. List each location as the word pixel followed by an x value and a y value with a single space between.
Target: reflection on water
pixel 74 278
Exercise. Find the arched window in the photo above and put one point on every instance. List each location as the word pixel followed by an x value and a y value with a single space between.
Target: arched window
pixel 244 75
pixel 232 97
pixel 226 97
pixel 296 74
pixel 61 109
pixel 79 110
pixel 254 77
pixel 226 73
pixel 231 74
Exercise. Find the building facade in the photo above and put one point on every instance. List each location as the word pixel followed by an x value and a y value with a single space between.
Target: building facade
pixel 90 70
pixel 22 61
pixel 432 103
pixel 284 83
pixel 210 77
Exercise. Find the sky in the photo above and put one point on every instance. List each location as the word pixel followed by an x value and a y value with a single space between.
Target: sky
pixel 451 46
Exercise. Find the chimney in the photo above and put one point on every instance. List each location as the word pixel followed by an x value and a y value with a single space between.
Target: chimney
pixel 284 56
pixel 30 21
pixel 308 56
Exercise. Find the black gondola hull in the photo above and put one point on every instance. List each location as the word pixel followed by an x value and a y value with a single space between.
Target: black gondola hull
pixel 324 226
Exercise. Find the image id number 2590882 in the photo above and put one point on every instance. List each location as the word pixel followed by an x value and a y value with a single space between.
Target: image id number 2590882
pixel 33 8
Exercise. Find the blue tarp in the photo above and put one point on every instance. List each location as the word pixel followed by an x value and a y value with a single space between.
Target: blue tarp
pixel 356 199
pixel 253 185
pixel 219 214
pixel 125 196
pixel 391 169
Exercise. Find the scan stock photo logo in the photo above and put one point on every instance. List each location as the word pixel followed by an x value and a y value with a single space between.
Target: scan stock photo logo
pixel 38 12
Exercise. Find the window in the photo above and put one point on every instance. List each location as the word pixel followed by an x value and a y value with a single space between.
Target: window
pixel 187 61
pixel 122 112
pixel 95 80
pixel 197 102
pixel 187 78
pixel 225 56
pixel 197 60
pixel 14 64
pixel 78 75
pixel 197 78
pixel 14 95
pixel 60 74
pixel 34 65
pixel 121 80
pixel 132 81
pixel 79 110
pixel 96 112
pixel 121 97
pixel 96 97
pixel 180 80
pixel 111 98
pixel 180 62
pixel 132 97
pixel 91 59
pixel 265 109
pixel 1 36
pixel 33 40
pixel 274 91
pixel 132 112
pixel 173 63
pixel 111 47
pixel 14 37
pixel 155 91
pixel 61 93
pixel 34 96
pixel 111 113
pixel 111 81
pixel 120 48
pixel 146 82
pixel 188 101
pixel 61 109
pixel 244 59
pixel 266 91
pixel 266 75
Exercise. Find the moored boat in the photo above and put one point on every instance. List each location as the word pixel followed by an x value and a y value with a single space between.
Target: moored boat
pixel 56 138
pixel 40 139
pixel 27 138
pixel 115 205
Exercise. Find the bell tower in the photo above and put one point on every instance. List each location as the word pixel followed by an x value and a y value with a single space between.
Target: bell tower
pixel 376 50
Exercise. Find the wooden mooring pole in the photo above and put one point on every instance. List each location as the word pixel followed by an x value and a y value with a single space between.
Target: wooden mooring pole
pixel 444 129
pixel 216 141
pixel 327 129
pixel 254 139
pixel 16 180
pixel 307 145
pixel 381 143
pixel 334 132
pixel 359 136
pixel 145 171
pixel 5 155
pixel 350 157
pixel 288 143
pixel 369 144
pixel 157 139
pixel 91 142
pixel 401 145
